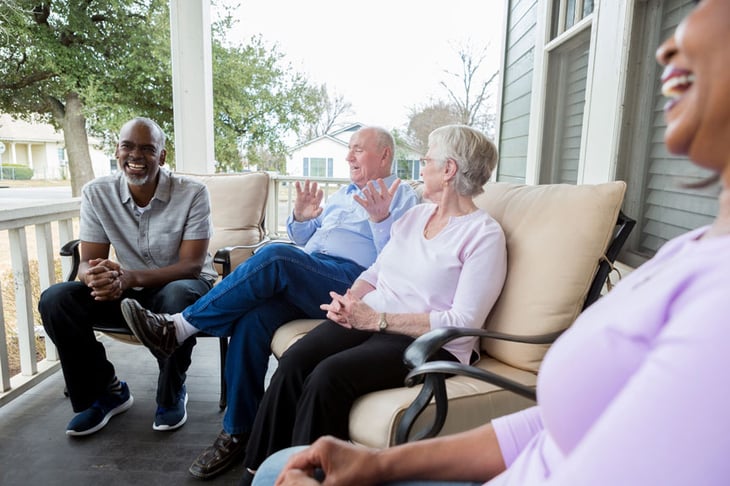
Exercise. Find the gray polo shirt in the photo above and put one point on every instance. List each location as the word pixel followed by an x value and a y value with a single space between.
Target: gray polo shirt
pixel 179 210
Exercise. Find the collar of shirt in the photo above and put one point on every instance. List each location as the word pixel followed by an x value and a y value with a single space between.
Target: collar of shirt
pixel 162 191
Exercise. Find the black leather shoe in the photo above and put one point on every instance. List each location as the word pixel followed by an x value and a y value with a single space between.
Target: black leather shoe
pixel 156 331
pixel 225 451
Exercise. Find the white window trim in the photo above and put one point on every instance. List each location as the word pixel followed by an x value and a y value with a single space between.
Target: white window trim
pixel 605 87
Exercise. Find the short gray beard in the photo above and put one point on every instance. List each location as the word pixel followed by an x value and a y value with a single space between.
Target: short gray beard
pixel 136 181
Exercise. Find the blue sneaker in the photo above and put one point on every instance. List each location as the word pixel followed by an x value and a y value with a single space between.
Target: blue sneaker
pixel 97 415
pixel 173 417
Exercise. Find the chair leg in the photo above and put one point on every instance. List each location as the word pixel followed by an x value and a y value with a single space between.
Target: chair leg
pixel 223 402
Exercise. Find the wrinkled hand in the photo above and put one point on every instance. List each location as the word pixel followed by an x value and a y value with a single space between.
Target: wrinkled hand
pixel 308 203
pixel 351 312
pixel 377 202
pixel 342 463
pixel 106 279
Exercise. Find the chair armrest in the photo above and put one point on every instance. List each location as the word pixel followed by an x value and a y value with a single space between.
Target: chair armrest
pixel 433 375
pixel 426 345
pixel 223 255
pixel 454 368
pixel 71 249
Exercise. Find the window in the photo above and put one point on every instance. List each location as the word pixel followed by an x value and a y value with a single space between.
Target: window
pixel 564 109
pixel 567 55
pixel 567 13
pixel 408 169
pixel 318 167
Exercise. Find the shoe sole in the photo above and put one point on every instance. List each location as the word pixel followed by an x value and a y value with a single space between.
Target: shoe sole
pixel 130 315
pixel 165 427
pixel 114 411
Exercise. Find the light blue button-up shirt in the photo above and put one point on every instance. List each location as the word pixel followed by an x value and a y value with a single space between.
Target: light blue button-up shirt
pixel 344 228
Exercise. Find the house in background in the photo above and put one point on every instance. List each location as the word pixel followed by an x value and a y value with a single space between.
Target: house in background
pixel 324 156
pixel 580 103
pixel 42 148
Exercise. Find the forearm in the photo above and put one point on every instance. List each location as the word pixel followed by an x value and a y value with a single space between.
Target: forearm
pixel 161 276
pixel 469 456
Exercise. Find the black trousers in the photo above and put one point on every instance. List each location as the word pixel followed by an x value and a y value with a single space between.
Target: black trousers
pixel 68 312
pixel 317 381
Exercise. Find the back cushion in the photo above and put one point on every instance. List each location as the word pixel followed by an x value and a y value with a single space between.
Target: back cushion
pixel 556 235
pixel 238 207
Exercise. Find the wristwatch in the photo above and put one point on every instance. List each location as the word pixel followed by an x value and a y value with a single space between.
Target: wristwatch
pixel 382 323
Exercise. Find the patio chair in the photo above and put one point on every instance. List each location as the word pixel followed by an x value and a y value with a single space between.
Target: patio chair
pixel 238 207
pixel 562 241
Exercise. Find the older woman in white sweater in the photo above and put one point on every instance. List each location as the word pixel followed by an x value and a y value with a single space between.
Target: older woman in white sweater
pixel 444 266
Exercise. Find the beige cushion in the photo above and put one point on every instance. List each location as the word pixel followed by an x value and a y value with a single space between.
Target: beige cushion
pixel 238 207
pixel 556 235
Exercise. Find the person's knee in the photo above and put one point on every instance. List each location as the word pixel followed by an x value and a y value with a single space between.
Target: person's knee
pixel 56 295
pixel 268 472
pixel 176 296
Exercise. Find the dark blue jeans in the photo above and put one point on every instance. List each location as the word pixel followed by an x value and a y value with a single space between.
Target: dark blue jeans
pixel 276 285
pixel 68 312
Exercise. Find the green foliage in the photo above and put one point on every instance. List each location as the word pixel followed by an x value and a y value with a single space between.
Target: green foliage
pixel 17 172
pixel 104 51
pixel 259 101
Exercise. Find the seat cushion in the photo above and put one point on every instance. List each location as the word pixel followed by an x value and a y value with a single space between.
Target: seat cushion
pixel 556 235
pixel 375 416
pixel 238 207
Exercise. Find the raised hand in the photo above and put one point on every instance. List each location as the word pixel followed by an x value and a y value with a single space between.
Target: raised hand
pixel 377 201
pixel 308 203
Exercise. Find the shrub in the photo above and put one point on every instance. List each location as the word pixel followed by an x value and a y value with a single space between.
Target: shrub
pixel 17 172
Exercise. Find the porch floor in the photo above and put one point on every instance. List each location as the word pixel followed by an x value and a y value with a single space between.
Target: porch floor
pixel 34 448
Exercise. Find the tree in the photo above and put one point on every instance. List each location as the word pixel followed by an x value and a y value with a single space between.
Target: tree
pixel 424 119
pixel 79 63
pixel 259 101
pixel 468 101
pixel 332 111
pixel 470 97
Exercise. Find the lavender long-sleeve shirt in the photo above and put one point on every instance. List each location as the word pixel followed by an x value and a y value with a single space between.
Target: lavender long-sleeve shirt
pixel 636 392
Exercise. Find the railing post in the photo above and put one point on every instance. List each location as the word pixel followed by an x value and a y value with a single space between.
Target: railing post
pixel 46 271
pixel 4 362
pixel 23 301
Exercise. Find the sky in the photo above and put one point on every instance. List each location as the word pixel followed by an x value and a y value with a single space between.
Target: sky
pixel 383 56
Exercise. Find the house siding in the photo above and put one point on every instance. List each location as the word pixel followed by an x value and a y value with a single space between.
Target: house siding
pixel 663 207
pixel 516 96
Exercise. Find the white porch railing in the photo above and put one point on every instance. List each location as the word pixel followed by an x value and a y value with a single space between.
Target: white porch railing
pixel 282 194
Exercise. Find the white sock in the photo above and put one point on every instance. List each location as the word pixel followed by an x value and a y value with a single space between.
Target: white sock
pixel 183 329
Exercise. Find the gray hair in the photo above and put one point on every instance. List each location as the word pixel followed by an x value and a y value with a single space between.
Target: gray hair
pixel 474 153
pixel 156 129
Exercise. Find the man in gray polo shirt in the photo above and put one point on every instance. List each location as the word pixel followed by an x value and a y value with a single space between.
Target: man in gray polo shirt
pixel 159 226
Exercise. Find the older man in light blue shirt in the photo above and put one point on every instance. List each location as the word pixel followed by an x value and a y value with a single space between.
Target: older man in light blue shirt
pixel 335 242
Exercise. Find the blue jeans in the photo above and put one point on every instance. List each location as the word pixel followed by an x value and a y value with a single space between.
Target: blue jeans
pixel 270 469
pixel 276 285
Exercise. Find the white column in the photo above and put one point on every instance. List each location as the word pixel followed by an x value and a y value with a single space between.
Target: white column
pixel 192 85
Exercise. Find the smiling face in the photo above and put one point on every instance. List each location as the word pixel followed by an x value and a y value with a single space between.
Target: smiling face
pixel 696 79
pixel 368 158
pixel 140 152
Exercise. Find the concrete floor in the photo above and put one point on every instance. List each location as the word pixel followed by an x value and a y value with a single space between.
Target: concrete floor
pixel 35 450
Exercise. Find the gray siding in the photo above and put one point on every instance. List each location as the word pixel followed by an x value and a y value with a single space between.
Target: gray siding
pixel 518 68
